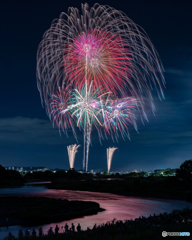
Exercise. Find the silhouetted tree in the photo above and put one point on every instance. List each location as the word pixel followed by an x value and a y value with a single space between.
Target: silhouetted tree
pixel 185 170
pixel 28 176
pixel 73 174
pixel 61 175
pixel 48 175
pixel 10 178
pixel 98 174
pixel 2 169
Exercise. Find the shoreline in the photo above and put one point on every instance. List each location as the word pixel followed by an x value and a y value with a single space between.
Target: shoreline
pixel 130 188
pixel 106 227
pixel 151 227
pixel 35 211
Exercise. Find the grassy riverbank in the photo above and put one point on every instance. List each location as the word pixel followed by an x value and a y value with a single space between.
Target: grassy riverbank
pixel 157 187
pixel 34 211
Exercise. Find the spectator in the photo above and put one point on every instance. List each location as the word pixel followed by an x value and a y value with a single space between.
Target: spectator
pixel 27 233
pixel 34 233
pixel 62 229
pixel 40 232
pixel 78 227
pixel 50 232
pixel 20 236
pixel 10 236
pixel 72 227
pixel 66 228
pixel 56 229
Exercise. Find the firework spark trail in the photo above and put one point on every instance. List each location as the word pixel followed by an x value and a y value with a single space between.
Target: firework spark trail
pixel 72 150
pixel 84 146
pixel 88 141
pixel 110 152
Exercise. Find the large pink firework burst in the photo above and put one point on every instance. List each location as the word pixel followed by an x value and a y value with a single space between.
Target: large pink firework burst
pixel 99 56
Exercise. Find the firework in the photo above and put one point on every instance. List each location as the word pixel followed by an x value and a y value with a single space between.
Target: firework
pixel 72 150
pixel 105 65
pixel 110 152
pixel 102 45
pixel 118 115
pixel 85 108
pixel 60 112
pixel 99 56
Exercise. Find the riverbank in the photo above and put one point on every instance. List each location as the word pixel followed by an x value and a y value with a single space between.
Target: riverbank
pixel 35 211
pixel 141 228
pixel 154 187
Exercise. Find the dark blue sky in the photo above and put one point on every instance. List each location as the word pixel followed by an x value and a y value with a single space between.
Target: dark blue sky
pixel 26 134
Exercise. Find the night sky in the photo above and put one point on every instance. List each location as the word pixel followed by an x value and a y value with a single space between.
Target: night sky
pixel 27 137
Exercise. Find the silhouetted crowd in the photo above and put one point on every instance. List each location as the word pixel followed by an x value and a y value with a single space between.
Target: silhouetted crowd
pixel 184 216
pixel 64 229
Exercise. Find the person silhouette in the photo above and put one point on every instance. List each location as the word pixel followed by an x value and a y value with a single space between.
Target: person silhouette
pixel 34 233
pixel 72 227
pixel 78 227
pixel 66 228
pixel 40 232
pixel 50 231
pixel 56 229
pixel 20 235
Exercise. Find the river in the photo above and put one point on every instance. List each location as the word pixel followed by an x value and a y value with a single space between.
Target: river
pixel 118 207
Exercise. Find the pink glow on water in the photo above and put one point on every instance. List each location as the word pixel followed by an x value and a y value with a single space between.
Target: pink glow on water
pixel 118 207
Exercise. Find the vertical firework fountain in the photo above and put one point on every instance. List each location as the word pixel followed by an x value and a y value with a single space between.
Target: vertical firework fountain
pixel 110 152
pixel 72 150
